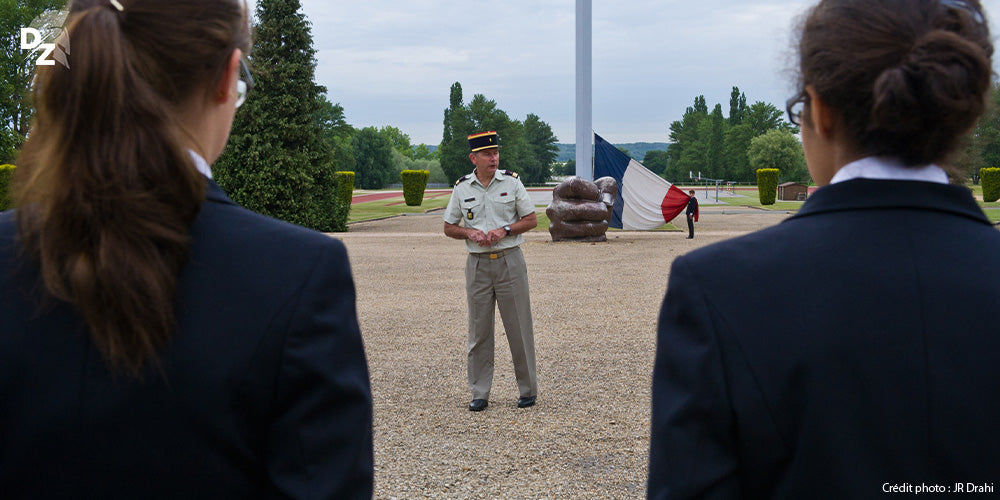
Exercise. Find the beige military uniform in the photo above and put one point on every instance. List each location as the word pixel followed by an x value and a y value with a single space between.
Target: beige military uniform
pixel 495 276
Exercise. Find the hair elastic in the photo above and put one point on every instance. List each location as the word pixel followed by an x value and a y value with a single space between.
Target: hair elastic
pixel 118 5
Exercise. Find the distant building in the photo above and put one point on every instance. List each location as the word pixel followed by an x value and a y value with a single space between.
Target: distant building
pixel 792 191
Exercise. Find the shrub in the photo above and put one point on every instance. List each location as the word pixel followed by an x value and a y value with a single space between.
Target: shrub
pixel 6 176
pixel 767 185
pixel 414 183
pixel 345 186
pixel 990 178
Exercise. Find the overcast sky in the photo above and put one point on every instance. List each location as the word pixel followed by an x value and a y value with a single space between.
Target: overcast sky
pixel 393 62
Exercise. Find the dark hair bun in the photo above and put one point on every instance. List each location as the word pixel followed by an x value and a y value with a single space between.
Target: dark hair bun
pixel 907 82
pixel 936 94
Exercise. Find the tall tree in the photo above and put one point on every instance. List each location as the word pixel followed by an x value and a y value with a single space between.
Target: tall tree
pixel 400 141
pixel 542 144
pixel 735 155
pixel 763 117
pixel 480 115
pixel 484 115
pixel 687 151
pixel 336 132
pixel 716 139
pixel 655 161
pixel 374 157
pixel 988 130
pixel 17 67
pixel 700 105
pixel 981 147
pixel 422 152
pixel 454 148
pixel 737 106
pixel 779 149
pixel 276 161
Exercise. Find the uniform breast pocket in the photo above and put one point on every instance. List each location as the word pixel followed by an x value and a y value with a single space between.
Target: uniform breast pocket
pixel 506 206
pixel 471 208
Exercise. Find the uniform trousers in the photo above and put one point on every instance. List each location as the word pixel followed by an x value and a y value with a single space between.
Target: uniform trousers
pixel 502 281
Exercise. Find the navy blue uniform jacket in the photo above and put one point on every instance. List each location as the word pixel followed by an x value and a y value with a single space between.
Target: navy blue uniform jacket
pixel 851 348
pixel 264 391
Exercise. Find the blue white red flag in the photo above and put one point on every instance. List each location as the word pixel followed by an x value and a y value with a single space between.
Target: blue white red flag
pixel 645 200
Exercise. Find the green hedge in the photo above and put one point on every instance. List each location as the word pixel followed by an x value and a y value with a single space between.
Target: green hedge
pixel 414 183
pixel 767 185
pixel 6 176
pixel 990 178
pixel 345 186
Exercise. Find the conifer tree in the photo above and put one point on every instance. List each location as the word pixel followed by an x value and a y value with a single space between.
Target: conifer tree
pixel 276 161
pixel 17 67
pixel 454 148
pixel 542 144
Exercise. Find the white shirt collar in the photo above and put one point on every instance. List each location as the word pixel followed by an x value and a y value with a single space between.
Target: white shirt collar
pixel 889 168
pixel 200 164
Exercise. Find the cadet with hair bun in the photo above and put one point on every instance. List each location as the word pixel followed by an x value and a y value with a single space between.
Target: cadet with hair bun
pixel 156 339
pixel 851 349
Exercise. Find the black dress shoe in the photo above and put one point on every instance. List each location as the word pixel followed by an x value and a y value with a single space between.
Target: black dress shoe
pixel 526 402
pixel 478 405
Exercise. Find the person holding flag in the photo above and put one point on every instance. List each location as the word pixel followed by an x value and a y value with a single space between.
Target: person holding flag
pixel 692 213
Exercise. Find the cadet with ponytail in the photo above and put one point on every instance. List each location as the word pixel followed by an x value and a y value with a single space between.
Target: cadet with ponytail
pixel 874 367
pixel 157 340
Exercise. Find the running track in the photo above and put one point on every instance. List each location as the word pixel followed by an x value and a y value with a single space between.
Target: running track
pixel 431 193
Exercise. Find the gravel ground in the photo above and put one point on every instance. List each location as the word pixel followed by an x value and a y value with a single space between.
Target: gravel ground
pixel 595 308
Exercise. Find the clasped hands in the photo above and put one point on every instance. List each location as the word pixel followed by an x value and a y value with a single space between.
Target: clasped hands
pixel 487 239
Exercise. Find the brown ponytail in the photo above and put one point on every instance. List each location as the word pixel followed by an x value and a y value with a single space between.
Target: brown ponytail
pixel 907 77
pixel 105 188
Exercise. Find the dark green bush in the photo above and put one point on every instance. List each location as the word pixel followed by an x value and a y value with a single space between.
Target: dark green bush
pixel 767 185
pixel 414 183
pixel 990 178
pixel 6 176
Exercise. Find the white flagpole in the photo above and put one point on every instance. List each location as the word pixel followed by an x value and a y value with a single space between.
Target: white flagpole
pixel 584 91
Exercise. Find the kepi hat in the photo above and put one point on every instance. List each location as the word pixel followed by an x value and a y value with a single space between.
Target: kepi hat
pixel 483 140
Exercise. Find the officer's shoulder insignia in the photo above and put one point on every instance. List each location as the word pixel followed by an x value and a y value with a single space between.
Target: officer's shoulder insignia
pixel 510 173
pixel 463 178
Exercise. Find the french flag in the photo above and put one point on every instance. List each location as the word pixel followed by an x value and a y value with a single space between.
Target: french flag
pixel 645 200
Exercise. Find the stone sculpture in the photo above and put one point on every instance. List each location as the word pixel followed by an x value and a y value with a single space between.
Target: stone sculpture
pixel 580 209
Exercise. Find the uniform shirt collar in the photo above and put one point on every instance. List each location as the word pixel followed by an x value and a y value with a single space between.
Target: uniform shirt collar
pixel 497 176
pixel 200 164
pixel 889 168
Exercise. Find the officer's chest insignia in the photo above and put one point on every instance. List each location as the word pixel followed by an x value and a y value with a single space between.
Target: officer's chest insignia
pixel 503 194
pixel 470 199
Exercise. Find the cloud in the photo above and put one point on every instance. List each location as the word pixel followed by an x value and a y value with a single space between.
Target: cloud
pixel 393 63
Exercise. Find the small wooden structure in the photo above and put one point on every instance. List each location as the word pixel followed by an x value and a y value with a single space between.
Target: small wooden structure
pixel 792 191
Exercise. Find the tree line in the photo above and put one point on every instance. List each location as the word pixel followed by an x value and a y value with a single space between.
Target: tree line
pixel 981 148
pixel 289 139
pixel 528 147
pixel 730 148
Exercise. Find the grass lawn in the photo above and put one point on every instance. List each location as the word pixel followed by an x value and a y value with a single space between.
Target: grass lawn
pixel 752 199
pixel 381 209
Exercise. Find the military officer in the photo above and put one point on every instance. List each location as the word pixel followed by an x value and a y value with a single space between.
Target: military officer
pixel 495 209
